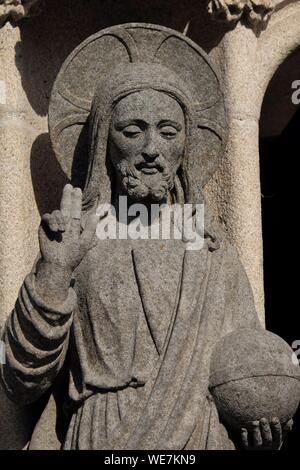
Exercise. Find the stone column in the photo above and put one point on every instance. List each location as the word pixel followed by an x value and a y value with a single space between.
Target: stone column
pixel 236 185
pixel 262 36
pixel 17 210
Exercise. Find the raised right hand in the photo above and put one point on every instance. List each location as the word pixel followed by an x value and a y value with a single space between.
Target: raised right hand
pixel 61 241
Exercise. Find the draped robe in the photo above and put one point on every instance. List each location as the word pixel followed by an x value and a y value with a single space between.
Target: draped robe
pixel 135 337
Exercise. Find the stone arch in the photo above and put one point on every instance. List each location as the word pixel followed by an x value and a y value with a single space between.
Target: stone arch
pixel 280 39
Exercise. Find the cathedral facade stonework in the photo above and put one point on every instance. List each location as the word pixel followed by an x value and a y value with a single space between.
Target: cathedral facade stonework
pixel 56 127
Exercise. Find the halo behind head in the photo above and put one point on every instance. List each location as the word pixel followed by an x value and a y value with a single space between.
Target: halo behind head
pixel 97 56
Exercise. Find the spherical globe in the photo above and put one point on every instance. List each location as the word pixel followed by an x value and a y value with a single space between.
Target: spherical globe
pixel 254 375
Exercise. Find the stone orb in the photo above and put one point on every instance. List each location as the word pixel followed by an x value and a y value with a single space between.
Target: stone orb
pixel 254 375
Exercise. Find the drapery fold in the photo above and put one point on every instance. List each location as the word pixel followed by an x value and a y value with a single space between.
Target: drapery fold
pixel 161 400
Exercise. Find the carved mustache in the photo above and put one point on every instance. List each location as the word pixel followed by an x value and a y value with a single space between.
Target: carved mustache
pixel 158 163
pixel 132 168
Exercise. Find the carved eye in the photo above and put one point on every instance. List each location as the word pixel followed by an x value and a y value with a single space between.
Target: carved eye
pixel 168 132
pixel 132 131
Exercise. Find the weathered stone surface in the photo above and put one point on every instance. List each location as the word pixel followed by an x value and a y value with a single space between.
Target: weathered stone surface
pixel 71 103
pixel 249 62
pixel 253 12
pixel 122 330
pixel 253 375
pixel 29 61
pixel 15 424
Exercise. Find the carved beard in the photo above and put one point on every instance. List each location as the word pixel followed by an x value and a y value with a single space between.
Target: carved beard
pixel 139 186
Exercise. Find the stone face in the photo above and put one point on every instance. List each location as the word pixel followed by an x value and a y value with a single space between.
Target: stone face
pixel 70 104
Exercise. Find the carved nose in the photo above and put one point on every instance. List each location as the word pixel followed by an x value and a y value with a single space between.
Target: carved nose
pixel 150 154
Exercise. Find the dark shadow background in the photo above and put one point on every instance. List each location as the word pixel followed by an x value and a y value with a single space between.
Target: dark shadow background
pixel 279 163
pixel 47 176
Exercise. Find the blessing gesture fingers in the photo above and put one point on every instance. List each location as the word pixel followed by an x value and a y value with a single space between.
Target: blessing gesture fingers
pixel 62 241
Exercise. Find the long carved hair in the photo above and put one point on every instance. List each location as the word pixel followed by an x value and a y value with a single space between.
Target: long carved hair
pixel 128 79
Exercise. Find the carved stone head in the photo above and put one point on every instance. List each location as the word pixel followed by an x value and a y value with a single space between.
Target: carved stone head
pixel 140 126
pixel 138 108
pixel 146 143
